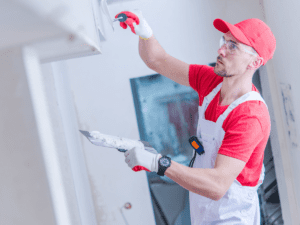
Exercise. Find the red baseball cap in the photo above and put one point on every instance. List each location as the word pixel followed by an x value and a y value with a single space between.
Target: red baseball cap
pixel 251 32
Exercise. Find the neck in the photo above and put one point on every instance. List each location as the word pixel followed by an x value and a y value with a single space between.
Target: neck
pixel 232 89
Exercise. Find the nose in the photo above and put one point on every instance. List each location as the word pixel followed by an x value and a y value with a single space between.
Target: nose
pixel 222 50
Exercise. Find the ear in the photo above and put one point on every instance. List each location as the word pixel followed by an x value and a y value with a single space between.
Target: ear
pixel 255 64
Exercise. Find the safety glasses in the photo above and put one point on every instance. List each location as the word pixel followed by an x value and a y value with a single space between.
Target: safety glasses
pixel 232 47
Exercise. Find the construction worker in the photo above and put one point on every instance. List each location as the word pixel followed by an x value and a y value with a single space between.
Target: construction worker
pixel 234 123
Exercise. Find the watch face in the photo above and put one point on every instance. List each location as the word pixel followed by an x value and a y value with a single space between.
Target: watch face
pixel 164 162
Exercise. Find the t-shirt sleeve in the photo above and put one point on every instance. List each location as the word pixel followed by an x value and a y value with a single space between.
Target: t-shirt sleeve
pixel 243 136
pixel 203 80
pixel 196 73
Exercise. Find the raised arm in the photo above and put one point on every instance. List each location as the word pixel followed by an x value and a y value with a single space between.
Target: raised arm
pixel 156 58
pixel 151 52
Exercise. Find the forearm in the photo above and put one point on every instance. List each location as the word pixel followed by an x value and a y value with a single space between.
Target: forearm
pixel 151 51
pixel 204 182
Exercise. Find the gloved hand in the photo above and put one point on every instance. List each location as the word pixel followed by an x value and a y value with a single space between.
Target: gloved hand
pixel 138 158
pixel 137 23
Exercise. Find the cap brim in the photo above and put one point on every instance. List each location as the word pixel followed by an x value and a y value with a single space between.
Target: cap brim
pixel 224 27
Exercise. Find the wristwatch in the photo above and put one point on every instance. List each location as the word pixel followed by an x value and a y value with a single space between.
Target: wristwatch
pixel 163 164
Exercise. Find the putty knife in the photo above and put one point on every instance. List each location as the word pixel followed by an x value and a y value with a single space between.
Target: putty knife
pixel 122 144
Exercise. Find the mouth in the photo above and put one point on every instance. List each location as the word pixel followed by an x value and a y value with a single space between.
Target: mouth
pixel 219 62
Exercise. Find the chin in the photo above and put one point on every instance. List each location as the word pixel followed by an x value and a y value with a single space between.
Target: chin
pixel 221 73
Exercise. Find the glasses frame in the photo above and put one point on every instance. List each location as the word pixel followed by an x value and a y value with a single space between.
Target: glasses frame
pixel 230 42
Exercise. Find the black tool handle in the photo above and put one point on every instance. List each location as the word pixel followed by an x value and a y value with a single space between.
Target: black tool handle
pixel 124 17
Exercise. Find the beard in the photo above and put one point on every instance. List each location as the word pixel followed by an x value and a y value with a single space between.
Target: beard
pixel 222 73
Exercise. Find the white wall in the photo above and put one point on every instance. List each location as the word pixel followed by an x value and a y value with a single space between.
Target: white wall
pixel 41 182
pixel 103 98
pixel 103 101
pixel 284 81
pixel 25 192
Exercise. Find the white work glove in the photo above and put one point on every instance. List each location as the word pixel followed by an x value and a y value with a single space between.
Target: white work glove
pixel 138 158
pixel 137 23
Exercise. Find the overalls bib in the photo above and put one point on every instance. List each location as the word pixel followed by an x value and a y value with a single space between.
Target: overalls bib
pixel 240 204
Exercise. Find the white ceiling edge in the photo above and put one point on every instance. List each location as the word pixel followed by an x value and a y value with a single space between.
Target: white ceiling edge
pixel 109 2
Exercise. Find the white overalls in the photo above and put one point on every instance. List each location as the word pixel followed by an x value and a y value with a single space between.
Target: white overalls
pixel 240 204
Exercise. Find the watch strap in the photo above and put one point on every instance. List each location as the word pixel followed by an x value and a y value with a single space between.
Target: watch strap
pixel 162 169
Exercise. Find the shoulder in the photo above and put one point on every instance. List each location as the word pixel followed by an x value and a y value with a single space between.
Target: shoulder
pixel 202 75
pixel 249 111
pixel 203 79
pixel 197 68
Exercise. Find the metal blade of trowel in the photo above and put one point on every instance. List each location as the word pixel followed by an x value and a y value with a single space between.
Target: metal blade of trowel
pixel 94 141
pixel 122 144
pixel 87 135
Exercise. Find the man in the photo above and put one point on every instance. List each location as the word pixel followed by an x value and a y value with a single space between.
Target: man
pixel 234 122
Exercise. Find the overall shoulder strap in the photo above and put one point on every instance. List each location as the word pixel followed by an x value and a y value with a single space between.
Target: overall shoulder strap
pixel 210 96
pixel 252 95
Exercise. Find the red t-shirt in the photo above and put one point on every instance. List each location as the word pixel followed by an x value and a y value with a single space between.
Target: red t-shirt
pixel 247 127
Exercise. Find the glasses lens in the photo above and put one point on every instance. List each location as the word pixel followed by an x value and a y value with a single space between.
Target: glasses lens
pixel 222 41
pixel 230 46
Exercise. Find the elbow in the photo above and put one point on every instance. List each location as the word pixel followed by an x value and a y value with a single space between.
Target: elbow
pixel 149 62
pixel 153 63
pixel 218 193
pixel 216 196
pixel 220 190
pixel 213 195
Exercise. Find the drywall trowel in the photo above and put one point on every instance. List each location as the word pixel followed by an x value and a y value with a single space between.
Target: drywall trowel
pixel 122 144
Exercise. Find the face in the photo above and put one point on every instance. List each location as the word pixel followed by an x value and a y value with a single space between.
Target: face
pixel 235 64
